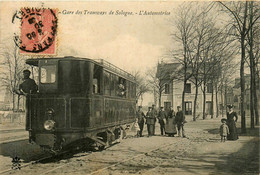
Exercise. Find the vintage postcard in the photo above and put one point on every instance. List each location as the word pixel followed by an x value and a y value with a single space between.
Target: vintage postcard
pixel 129 87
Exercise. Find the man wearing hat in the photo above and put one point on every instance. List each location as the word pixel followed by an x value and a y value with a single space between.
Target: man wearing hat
pixel 28 86
pixel 179 119
pixel 161 117
pixel 140 119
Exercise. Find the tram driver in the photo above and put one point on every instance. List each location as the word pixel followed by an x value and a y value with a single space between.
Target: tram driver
pixel 28 86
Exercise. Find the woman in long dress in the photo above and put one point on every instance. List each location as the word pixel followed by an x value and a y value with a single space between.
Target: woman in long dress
pixel 233 135
pixel 170 126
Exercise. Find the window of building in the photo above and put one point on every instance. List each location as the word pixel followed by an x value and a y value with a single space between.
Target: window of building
pixel 187 88
pixel 188 108
pixel 209 88
pixel 167 89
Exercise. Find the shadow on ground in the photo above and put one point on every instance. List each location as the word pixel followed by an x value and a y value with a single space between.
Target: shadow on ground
pixel 21 149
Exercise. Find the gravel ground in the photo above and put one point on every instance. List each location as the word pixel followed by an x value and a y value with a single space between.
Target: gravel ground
pixel 200 153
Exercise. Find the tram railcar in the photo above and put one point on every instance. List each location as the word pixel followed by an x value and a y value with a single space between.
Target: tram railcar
pixel 79 101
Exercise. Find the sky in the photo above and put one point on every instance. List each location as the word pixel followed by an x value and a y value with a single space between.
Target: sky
pixel 132 42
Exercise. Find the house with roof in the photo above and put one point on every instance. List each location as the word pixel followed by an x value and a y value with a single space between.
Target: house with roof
pixel 172 90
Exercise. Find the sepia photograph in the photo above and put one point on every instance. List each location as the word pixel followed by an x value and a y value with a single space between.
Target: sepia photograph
pixel 101 87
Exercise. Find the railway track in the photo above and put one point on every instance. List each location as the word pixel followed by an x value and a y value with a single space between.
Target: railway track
pixel 98 171
pixel 84 155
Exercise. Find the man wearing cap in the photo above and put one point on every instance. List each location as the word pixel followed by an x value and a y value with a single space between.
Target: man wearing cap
pixel 154 115
pixel 28 86
pixel 161 117
pixel 150 122
pixel 179 119
pixel 140 119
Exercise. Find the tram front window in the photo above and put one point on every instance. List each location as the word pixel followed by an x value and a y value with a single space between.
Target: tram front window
pixel 48 74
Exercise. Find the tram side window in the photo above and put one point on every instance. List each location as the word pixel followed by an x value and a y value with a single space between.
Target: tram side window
pixel 106 83
pixel 113 83
pixel 96 79
pixel 133 92
pixel 48 74
pixel 121 87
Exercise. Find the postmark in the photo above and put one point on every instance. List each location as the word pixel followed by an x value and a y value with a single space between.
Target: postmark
pixel 38 30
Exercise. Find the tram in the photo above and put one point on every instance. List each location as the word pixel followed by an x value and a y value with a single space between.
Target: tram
pixel 79 101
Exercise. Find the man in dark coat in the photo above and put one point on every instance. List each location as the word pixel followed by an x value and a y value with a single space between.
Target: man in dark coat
pixel 140 119
pixel 161 117
pixel 154 115
pixel 179 119
pixel 150 121
pixel 28 86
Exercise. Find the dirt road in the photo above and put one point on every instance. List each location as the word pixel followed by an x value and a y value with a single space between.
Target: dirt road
pixel 200 153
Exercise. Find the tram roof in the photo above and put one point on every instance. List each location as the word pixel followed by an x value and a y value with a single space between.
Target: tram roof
pixel 101 62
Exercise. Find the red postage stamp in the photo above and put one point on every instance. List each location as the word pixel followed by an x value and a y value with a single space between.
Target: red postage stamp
pixel 38 31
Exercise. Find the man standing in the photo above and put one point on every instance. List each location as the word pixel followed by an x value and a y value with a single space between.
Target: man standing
pixel 28 86
pixel 161 117
pixel 179 119
pixel 154 114
pixel 149 121
pixel 140 119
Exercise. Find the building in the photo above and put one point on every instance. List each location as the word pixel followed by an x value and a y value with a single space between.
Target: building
pixel 173 88
pixel 237 94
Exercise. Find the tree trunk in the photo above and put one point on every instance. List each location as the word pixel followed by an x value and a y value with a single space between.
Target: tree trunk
pixel 212 102
pixel 222 100
pixel 183 98
pixel 195 100
pixel 204 100
pixel 242 78
pixel 216 92
pixel 160 98
pixel 18 103
pixel 242 85
pixel 13 103
pixel 256 103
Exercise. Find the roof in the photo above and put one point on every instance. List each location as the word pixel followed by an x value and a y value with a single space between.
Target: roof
pixel 165 70
pixel 100 62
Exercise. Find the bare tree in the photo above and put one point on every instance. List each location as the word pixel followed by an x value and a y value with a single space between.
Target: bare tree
pixel 184 36
pixel 142 86
pixel 13 65
pixel 157 78
pixel 254 11
pixel 238 12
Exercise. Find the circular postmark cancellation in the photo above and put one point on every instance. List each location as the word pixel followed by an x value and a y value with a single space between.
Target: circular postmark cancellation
pixel 38 29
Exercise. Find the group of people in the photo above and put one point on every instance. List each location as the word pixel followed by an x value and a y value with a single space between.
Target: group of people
pixel 167 120
pixel 228 129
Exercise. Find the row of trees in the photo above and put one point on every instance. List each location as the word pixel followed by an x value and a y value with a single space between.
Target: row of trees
pixel 208 42
pixel 244 28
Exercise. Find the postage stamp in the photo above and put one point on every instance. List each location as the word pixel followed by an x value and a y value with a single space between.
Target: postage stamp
pixel 38 31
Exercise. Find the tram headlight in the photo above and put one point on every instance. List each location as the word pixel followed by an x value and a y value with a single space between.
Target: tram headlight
pixel 49 124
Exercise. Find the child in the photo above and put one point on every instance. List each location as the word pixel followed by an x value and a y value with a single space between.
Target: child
pixel 224 131
pixel 137 129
